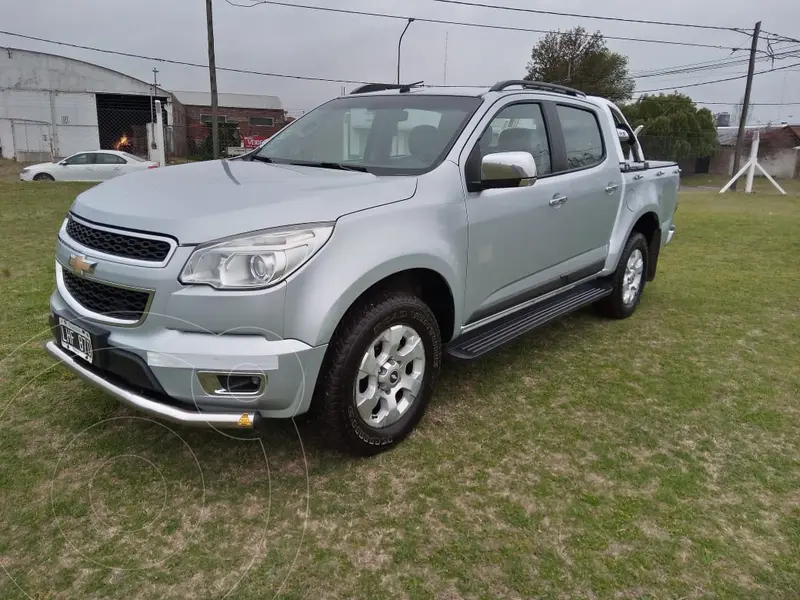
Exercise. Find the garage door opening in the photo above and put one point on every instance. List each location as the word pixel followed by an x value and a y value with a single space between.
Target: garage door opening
pixel 122 120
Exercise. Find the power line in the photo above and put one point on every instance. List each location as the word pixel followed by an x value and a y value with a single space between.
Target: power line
pixel 678 87
pixel 722 62
pixel 361 13
pixel 582 16
pixel 702 63
pixel 353 81
pixel 719 64
pixel 776 37
pixel 179 62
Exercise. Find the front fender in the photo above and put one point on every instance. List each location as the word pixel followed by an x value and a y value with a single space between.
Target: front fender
pixel 366 248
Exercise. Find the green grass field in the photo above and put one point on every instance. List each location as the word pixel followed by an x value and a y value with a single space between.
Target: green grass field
pixel 657 457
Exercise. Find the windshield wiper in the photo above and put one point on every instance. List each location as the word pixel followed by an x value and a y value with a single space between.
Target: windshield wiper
pixel 332 165
pixel 265 159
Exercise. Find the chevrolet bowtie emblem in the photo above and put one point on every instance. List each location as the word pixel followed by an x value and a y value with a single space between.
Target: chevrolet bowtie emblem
pixel 80 265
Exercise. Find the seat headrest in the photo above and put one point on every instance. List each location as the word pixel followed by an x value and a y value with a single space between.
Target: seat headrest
pixel 515 139
pixel 423 142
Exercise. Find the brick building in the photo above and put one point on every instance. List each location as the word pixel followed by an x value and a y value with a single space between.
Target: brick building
pixel 257 117
pixel 777 150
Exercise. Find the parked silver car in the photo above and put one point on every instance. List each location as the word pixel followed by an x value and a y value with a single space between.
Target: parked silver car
pixel 333 268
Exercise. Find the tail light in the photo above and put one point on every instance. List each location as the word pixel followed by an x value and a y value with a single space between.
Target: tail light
pixel 154 166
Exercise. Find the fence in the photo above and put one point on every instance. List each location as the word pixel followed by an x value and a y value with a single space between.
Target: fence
pixel 779 155
pixel 40 125
pixel 54 125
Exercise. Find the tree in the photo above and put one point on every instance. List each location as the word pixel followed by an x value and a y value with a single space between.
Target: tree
pixel 581 60
pixel 674 128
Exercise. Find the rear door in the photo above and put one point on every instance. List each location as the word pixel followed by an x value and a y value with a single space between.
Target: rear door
pixel 591 179
pixel 108 166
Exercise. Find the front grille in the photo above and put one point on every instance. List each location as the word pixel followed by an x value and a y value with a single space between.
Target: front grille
pixel 107 300
pixel 118 244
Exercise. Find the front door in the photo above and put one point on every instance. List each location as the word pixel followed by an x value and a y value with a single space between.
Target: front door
pixel 513 232
pixel 75 168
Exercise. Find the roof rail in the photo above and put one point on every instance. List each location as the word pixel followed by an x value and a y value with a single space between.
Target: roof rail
pixel 537 85
pixel 380 87
pixel 375 87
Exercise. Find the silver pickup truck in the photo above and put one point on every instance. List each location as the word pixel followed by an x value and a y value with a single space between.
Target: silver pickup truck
pixel 332 270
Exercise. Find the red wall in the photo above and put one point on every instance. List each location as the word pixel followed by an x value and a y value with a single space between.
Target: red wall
pixel 197 130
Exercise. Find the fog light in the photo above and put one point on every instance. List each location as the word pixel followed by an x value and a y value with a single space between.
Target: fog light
pixel 232 384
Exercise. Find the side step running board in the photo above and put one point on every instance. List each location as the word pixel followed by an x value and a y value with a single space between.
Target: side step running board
pixel 498 333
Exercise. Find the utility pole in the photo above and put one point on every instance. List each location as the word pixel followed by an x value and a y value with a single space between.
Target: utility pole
pixel 212 71
pixel 746 104
pixel 152 109
pixel 446 40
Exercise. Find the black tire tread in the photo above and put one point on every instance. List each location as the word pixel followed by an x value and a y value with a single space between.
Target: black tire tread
pixel 334 387
pixel 612 306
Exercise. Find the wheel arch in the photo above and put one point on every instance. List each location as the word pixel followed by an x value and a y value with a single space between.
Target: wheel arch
pixel 646 222
pixel 428 284
pixel 430 277
pixel 649 226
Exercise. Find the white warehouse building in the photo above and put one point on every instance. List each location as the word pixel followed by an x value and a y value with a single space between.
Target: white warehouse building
pixel 52 106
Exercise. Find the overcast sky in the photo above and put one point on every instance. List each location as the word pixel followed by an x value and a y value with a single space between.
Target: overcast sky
pixel 312 43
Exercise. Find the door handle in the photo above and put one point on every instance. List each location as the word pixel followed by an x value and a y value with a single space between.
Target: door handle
pixel 611 188
pixel 638 176
pixel 660 173
pixel 558 200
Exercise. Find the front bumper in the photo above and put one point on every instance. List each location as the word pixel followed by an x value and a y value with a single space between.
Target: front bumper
pixel 161 372
pixel 224 420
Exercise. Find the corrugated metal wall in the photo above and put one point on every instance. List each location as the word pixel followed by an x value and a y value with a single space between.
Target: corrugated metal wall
pixel 58 124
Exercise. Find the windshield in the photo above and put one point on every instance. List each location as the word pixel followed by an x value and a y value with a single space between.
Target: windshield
pixel 132 157
pixel 401 134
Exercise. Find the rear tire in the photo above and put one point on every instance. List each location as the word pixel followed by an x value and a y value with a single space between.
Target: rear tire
pixel 379 373
pixel 628 280
pixel 43 177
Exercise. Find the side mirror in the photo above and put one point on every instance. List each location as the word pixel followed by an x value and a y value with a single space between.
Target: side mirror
pixel 508 169
pixel 623 136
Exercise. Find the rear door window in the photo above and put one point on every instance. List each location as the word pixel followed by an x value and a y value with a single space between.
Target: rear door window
pixel 109 159
pixel 583 137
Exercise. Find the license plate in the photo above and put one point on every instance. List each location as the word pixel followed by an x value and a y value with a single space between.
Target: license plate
pixel 75 339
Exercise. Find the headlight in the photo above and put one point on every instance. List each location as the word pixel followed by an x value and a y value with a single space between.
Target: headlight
pixel 25 170
pixel 256 260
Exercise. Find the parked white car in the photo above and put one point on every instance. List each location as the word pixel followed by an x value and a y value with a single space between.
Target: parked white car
pixel 95 165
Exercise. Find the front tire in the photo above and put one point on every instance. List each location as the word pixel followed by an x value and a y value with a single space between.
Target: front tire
pixel 628 280
pixel 379 374
pixel 43 177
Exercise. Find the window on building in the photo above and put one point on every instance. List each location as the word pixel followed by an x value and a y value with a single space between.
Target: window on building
pixel 582 136
pixel 207 119
pixel 261 121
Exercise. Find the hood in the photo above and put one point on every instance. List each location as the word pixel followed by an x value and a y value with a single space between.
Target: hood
pixel 203 201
